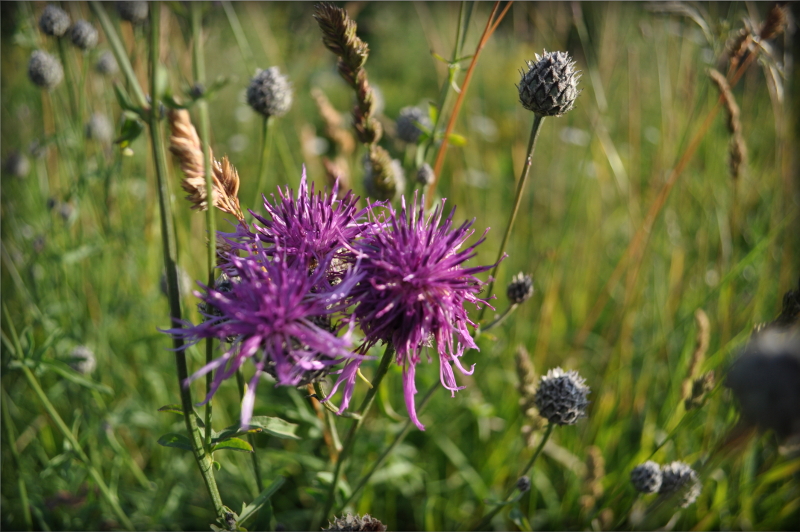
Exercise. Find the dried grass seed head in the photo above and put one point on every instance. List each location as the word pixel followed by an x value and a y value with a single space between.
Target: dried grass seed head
pixel 133 12
pixel 54 21
pixel 44 70
pixel 520 289
pixel 646 477
pixel 550 85
pixel 270 93
pixel 84 35
pixel 408 124
pixel 561 396
pixel 679 476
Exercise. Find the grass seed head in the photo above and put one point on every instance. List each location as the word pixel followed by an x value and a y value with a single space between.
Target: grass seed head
pixel 44 70
pixel 54 21
pixel 384 178
pixel 270 93
pixel 83 35
pixel 550 85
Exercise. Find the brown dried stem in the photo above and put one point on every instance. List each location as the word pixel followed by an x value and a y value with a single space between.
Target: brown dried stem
pixel 185 145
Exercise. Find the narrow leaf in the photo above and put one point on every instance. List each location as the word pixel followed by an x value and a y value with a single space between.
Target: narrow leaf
pixel 71 375
pixel 251 509
pixel 174 408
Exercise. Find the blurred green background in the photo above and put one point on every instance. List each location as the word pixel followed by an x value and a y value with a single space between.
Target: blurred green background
pixel 82 260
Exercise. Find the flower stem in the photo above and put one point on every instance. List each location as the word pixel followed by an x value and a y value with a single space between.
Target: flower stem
pixel 537 122
pixel 347 448
pixel 66 432
pixel 201 454
pixel 250 438
pixel 266 141
pixel 11 444
pixel 488 519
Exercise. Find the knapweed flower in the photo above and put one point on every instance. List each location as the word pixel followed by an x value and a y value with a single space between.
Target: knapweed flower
pixel 44 70
pixel 679 476
pixel 83 35
pixel 307 227
pixel 646 477
pixel 133 12
pixel 414 290
pixel 54 21
pixel 550 85
pixel 355 523
pixel 270 93
pixel 408 124
pixel 273 313
pixel 561 397
pixel 520 289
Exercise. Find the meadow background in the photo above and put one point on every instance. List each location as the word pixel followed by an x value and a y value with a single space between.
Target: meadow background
pixel 82 262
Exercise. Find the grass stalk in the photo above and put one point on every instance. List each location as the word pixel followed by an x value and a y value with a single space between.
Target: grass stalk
pixel 347 448
pixel 63 428
pixel 170 248
pixel 266 142
pixel 488 518
pixel 523 179
pixel 241 39
pixel 11 444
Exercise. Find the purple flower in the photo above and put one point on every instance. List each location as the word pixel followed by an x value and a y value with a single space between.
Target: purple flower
pixel 278 315
pixel 413 291
pixel 308 227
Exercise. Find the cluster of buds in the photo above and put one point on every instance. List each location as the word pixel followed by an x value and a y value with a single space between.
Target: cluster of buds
pixel 675 477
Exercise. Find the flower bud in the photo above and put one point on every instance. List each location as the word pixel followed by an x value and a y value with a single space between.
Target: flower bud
pixel 355 523
pixel 679 476
pixel 409 122
pixel 425 175
pixel 550 86
pixel 54 21
pixel 561 397
pixel 520 289
pixel 107 64
pixel 646 477
pixel 83 360
pixel 100 129
pixel 83 35
pixel 17 165
pixel 133 12
pixel 44 70
pixel 270 93
pixel 524 484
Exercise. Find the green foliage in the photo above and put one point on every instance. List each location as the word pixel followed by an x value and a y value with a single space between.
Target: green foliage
pixel 90 275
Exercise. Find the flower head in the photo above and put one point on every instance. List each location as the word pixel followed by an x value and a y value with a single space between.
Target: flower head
pixel 273 313
pixel 133 12
pixel 524 484
pixel 646 477
pixel 561 397
pixel 99 128
pixel 520 289
pixel 54 21
pixel 550 85
pixel 414 290
pixel 44 70
pixel 355 523
pixel 106 64
pixel 307 226
pixel 82 360
pixel 270 92
pixel 679 476
pixel 83 35
pixel 425 175
pixel 409 122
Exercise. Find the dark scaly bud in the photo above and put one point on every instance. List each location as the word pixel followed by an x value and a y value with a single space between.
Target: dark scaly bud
pixel 550 85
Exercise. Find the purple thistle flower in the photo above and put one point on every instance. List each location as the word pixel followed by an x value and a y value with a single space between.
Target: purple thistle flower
pixel 413 291
pixel 274 311
pixel 307 227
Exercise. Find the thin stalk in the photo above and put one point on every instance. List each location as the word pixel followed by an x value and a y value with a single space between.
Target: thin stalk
pixel 170 248
pixel 347 448
pixel 397 440
pixel 241 40
pixel 72 85
pixel 537 122
pixel 491 26
pixel 11 443
pixel 500 319
pixel 120 54
pixel 250 438
pixel 488 518
pixel 17 352
pixel 266 142
pixel 199 67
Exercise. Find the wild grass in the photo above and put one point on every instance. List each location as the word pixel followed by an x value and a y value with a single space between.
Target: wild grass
pixel 85 269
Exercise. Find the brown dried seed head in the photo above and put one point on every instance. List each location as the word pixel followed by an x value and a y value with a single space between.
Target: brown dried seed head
pixel 775 23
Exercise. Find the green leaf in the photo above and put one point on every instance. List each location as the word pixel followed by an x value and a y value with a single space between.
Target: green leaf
pixel 232 432
pixel 234 444
pixel 433 112
pixel 124 99
pixel 73 376
pixel 275 426
pixel 132 127
pixel 179 441
pixel 457 140
pixel 174 408
pixel 251 509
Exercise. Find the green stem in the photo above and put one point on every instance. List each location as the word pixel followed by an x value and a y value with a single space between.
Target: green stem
pixel 241 40
pixel 488 519
pixel 72 85
pixel 63 428
pixel 397 440
pixel 537 122
pixel 120 54
pixel 266 141
pixel 199 67
pixel 250 437
pixel 201 454
pixel 347 448
pixel 11 443
pixel 501 318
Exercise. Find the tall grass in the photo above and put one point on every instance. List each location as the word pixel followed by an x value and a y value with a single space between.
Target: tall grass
pixel 91 277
